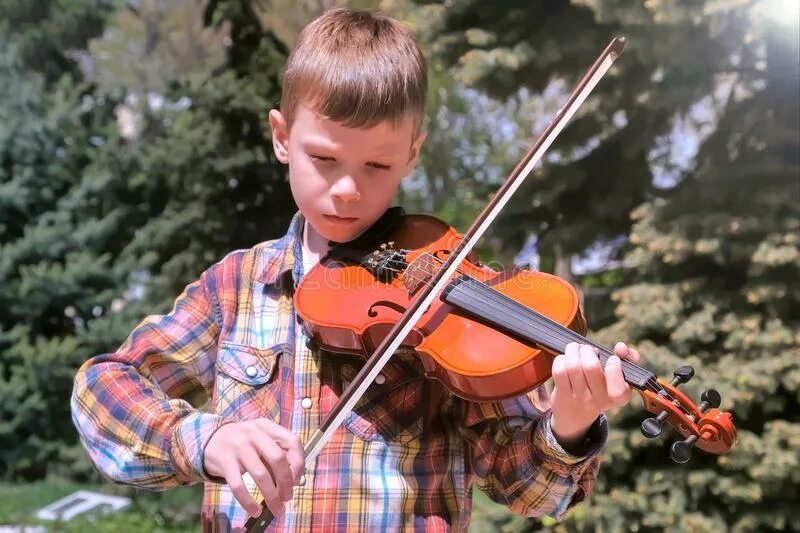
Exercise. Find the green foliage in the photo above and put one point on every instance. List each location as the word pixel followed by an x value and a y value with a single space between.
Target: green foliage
pixel 715 286
pixel 150 44
pixel 490 517
pixel 46 140
pixel 19 501
pixel 172 511
pixel 46 32
pixel 710 273
pixel 101 225
pixel 530 54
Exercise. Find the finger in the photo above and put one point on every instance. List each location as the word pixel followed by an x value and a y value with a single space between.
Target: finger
pixel 626 352
pixel 560 377
pixel 276 461
pixel 619 393
pixel 574 362
pixel 571 348
pixel 233 476
pixel 568 359
pixel 593 374
pixel 621 349
pixel 254 466
pixel 293 446
pixel 633 355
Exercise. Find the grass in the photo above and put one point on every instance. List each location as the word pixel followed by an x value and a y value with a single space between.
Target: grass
pixel 19 502
pixel 157 512
pixel 173 511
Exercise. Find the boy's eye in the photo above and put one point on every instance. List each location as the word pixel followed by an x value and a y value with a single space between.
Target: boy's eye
pixel 321 157
pixel 379 166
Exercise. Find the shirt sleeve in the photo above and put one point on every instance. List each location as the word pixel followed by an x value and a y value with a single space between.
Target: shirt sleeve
pixel 127 406
pixel 517 461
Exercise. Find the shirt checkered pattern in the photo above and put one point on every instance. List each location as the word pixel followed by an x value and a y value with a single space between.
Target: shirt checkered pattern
pixel 405 459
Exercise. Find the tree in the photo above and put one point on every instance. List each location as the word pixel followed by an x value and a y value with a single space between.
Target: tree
pixel 102 226
pixel 602 165
pixel 714 285
pixel 713 247
pixel 205 168
pixel 46 134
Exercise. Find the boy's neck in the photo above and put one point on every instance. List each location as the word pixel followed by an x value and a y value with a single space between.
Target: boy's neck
pixel 314 245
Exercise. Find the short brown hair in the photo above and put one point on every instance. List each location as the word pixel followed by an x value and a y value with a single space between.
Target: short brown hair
pixel 356 67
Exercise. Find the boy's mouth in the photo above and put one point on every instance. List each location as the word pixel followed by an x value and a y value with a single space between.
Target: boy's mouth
pixel 339 220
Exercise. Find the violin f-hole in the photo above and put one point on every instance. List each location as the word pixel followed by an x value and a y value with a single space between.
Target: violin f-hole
pixel 394 306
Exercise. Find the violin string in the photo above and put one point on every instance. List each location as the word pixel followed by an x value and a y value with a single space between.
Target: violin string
pixel 553 328
pixel 498 303
pixel 545 325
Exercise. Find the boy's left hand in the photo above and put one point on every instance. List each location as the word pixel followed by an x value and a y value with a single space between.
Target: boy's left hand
pixel 583 389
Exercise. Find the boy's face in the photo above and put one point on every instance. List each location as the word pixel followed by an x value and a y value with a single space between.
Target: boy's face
pixel 343 179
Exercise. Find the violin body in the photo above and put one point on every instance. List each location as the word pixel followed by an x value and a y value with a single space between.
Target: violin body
pixel 489 335
pixel 346 309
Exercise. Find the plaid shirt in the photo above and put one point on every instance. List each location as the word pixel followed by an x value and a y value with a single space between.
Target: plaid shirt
pixel 405 459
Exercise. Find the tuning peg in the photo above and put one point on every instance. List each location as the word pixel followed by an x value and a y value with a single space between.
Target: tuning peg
pixel 709 399
pixel 682 375
pixel 651 427
pixel 681 451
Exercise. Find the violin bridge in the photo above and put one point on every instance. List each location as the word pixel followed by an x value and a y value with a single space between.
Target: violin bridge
pixel 419 271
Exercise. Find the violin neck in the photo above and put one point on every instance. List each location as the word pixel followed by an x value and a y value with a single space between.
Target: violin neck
pixel 506 314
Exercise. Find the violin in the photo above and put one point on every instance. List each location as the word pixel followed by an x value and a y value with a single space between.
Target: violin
pixel 414 281
pixel 489 336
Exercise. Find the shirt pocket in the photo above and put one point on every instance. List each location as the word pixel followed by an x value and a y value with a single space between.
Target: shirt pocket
pixel 393 407
pixel 247 386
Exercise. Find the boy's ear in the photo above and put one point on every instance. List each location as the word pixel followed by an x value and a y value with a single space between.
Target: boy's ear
pixel 280 135
pixel 416 146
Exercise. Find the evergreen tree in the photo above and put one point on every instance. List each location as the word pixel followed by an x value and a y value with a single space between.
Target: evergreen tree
pixel 47 134
pixel 205 168
pixel 101 227
pixel 713 249
pixel 602 165
pixel 715 285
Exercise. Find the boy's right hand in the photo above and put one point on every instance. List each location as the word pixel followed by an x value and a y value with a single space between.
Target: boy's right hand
pixel 271 454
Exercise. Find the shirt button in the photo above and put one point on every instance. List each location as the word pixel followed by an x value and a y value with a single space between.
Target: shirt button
pixel 306 403
pixel 251 371
pixel 380 379
pixel 302 481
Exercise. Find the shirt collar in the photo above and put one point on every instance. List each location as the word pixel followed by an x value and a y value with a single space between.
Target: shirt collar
pixel 285 254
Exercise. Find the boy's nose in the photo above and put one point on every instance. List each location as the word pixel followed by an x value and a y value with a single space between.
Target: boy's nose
pixel 345 189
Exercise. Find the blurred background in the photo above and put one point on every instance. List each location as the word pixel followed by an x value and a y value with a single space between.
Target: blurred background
pixel 135 152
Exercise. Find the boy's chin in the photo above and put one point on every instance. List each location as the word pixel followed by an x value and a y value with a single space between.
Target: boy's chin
pixel 338 231
pixel 342 236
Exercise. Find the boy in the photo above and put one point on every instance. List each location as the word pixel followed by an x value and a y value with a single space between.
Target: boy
pixel 349 128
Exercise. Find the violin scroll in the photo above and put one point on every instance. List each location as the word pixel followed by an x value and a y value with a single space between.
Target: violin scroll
pixel 703 425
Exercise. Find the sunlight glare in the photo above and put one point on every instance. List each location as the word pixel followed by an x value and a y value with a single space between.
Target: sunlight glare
pixel 781 11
